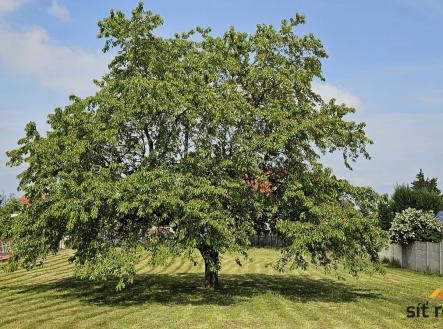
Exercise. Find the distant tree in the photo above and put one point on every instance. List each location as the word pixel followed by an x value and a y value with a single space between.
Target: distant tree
pixel 5 198
pixel 385 212
pixel 210 136
pixel 422 199
pixel 415 225
pixel 429 184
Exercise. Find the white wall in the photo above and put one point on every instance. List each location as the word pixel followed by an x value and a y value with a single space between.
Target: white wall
pixel 419 256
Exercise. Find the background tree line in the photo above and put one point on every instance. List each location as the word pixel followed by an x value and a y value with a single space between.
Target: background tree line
pixel 410 214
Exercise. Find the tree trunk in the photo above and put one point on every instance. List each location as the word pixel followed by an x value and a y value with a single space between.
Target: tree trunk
pixel 212 266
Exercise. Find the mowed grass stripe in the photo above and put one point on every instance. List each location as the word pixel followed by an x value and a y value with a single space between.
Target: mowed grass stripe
pixel 253 295
pixel 47 268
pixel 62 272
pixel 387 313
pixel 47 305
pixel 52 308
pixel 20 276
pixel 74 314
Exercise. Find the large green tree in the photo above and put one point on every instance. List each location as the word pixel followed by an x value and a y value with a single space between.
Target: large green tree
pixel 213 137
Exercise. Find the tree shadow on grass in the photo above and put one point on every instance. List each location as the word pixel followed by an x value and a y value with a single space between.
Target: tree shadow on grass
pixel 186 289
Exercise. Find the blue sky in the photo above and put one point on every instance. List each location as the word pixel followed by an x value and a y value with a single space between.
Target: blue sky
pixel 386 59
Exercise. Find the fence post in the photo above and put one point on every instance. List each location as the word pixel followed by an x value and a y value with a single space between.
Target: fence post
pixel 391 247
pixel 441 258
pixel 415 256
pixel 427 256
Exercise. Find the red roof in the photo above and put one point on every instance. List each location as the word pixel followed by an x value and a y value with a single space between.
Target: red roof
pixel 264 188
pixel 23 200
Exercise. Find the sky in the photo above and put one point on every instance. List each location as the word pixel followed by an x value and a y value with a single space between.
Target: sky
pixel 385 59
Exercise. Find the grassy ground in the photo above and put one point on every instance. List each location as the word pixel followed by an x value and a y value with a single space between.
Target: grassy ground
pixel 253 296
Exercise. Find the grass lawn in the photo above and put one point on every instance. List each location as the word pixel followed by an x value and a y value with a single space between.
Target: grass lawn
pixel 253 296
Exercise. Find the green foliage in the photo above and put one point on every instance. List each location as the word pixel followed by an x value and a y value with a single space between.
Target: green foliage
pixel 110 262
pixel 423 199
pixel 210 136
pixel 415 225
pixel 429 184
pixel 385 212
pixel 8 207
pixel 423 195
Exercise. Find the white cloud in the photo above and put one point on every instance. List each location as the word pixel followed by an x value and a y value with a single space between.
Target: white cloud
pixel 403 143
pixel 31 52
pixel 11 5
pixel 58 10
pixel 328 91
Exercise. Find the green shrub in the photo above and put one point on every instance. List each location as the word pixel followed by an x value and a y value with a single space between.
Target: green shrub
pixel 405 197
pixel 415 225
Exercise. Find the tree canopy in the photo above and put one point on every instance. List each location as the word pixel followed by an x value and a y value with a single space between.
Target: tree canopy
pixel 211 137
pixel 429 184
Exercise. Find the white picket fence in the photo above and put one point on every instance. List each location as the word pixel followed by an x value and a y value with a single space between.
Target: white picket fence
pixel 419 256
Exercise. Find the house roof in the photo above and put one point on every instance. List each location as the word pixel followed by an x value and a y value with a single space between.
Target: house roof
pixel 23 200
pixel 264 188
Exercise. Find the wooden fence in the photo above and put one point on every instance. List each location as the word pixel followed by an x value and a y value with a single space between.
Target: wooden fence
pixel 267 240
